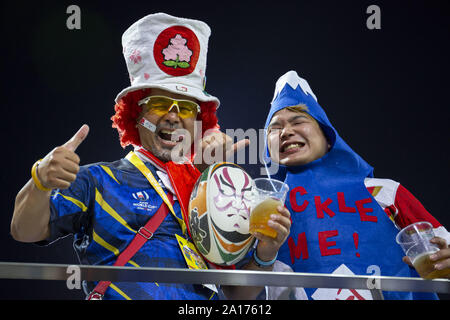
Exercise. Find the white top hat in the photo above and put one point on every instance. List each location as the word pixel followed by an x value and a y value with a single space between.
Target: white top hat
pixel 169 53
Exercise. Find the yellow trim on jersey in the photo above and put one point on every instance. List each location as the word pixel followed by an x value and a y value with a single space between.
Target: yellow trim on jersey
pixel 137 162
pixel 134 264
pixel 376 190
pixel 105 206
pixel 109 172
pixel 110 247
pixel 104 244
pixel 138 266
pixel 74 201
pixel 123 294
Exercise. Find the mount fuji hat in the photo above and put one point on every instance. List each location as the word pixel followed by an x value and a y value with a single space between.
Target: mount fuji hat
pixel 166 52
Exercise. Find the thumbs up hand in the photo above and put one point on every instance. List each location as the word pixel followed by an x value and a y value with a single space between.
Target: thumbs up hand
pixel 59 168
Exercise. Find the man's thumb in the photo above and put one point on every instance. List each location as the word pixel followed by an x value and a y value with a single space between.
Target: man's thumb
pixel 236 147
pixel 240 145
pixel 78 138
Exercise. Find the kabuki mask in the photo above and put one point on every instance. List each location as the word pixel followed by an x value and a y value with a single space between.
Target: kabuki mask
pixel 219 213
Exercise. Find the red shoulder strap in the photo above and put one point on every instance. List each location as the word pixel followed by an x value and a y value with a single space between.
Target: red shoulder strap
pixel 142 236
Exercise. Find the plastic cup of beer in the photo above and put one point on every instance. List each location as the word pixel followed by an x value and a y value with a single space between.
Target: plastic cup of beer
pixel 268 194
pixel 415 242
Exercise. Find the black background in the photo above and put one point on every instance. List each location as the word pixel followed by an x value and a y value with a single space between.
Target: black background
pixel 385 91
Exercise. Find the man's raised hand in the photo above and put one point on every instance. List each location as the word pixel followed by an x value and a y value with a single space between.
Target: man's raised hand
pixel 216 146
pixel 59 168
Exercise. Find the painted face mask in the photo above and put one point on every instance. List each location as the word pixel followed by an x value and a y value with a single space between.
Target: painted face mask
pixel 219 213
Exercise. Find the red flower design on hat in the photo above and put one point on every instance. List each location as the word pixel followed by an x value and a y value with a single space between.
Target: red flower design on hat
pixel 176 51
pixel 177 54
pixel 136 56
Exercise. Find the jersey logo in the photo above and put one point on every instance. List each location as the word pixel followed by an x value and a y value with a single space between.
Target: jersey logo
pixel 141 196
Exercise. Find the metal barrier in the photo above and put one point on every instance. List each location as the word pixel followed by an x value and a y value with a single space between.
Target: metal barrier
pixel 377 284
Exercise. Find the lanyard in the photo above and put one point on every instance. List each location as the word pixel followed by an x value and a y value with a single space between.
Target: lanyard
pixel 134 159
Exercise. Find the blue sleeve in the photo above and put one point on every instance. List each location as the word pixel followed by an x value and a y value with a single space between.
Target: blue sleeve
pixel 70 208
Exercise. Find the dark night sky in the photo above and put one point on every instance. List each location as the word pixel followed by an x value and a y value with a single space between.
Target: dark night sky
pixel 385 91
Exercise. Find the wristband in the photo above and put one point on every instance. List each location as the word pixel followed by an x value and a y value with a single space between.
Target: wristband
pixel 261 263
pixel 36 180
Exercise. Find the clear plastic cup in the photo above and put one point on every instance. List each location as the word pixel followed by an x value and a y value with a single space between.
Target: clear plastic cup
pixel 268 194
pixel 415 242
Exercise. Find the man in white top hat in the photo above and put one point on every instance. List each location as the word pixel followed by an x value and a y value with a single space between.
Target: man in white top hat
pixel 106 205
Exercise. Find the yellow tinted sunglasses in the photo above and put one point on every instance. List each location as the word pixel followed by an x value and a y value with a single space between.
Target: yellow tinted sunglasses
pixel 162 105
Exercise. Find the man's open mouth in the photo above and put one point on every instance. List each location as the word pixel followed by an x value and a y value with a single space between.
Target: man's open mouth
pixel 291 147
pixel 170 135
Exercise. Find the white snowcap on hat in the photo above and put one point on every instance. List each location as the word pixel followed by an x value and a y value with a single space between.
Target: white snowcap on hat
pixel 169 53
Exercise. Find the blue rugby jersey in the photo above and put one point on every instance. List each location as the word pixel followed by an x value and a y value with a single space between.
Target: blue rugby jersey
pixel 103 208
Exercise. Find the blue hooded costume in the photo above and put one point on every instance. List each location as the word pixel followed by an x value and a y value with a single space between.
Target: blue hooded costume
pixel 335 219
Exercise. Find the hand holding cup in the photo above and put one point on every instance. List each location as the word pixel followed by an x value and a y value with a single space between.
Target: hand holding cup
pixel 429 255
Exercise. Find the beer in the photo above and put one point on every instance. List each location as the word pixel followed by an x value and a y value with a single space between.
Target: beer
pixel 424 267
pixel 260 215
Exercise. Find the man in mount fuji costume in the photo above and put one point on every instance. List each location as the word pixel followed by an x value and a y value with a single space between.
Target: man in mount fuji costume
pixel 344 221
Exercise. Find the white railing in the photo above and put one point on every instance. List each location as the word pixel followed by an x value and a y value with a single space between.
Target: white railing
pixel 377 284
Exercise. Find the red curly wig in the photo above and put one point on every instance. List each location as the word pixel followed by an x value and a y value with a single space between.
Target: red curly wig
pixel 128 110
